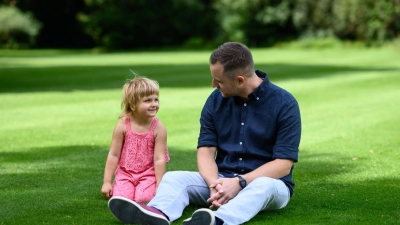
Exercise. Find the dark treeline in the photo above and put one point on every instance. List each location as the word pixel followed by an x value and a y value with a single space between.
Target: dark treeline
pixel 128 24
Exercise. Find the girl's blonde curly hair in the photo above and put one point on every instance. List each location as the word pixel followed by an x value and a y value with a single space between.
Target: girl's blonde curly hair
pixel 134 90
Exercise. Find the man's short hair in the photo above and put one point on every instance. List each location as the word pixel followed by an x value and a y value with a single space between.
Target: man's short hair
pixel 235 58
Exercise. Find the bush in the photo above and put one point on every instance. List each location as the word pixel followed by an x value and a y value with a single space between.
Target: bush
pixel 142 24
pixel 17 29
pixel 313 43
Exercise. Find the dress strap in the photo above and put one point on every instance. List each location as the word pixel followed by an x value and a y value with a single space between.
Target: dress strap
pixel 128 123
pixel 154 124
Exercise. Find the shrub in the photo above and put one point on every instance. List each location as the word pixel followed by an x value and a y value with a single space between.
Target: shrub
pixel 17 29
pixel 141 24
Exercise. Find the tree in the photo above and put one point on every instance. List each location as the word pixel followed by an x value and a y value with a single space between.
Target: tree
pixel 17 29
pixel 151 23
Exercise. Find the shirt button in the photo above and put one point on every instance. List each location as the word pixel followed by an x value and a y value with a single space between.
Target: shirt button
pixel 240 159
pixel 240 143
pixel 242 124
pixel 257 98
pixel 245 104
pixel 242 170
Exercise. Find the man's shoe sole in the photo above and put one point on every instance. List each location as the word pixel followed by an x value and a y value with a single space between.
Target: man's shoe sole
pixel 128 211
pixel 201 217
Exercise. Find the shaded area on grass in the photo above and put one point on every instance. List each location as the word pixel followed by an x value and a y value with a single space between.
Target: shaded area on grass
pixel 65 182
pixel 71 78
pixel 319 194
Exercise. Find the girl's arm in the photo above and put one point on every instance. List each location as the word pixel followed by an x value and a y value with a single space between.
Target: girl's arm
pixel 160 148
pixel 113 158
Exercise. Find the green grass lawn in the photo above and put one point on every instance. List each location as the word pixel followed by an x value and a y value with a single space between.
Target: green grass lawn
pixel 58 110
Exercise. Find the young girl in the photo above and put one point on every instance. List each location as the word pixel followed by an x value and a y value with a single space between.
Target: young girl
pixel 138 152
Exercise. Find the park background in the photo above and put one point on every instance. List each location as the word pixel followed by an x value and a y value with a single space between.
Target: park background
pixel 63 63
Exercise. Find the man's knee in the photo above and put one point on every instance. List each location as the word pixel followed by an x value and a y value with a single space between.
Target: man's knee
pixel 175 175
pixel 265 184
pixel 264 180
pixel 179 177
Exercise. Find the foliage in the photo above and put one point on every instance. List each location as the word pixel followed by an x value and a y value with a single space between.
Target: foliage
pixel 373 22
pixel 370 21
pixel 17 29
pixel 60 26
pixel 254 22
pixel 267 22
pixel 132 23
pixel 313 43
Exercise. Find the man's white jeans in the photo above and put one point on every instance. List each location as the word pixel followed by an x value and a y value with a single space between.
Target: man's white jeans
pixel 181 188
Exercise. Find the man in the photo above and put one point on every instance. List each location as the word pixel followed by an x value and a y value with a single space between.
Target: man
pixel 249 137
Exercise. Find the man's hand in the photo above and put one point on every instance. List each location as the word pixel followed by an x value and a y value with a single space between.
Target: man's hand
pixel 223 190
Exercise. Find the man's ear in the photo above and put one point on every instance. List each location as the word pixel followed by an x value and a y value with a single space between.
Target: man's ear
pixel 240 79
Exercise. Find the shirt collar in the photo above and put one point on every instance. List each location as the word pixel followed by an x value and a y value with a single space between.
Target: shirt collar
pixel 260 90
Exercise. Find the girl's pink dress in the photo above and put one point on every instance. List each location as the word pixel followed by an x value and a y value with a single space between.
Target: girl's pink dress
pixel 135 177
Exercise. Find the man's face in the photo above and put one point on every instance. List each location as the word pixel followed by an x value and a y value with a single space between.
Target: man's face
pixel 224 84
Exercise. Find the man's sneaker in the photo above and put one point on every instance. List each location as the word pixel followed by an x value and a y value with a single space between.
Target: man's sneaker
pixel 201 217
pixel 128 211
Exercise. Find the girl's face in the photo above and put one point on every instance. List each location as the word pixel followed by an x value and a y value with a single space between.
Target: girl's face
pixel 148 106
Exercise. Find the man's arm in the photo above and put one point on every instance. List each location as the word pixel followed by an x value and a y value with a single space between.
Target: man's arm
pixel 209 171
pixel 274 169
pixel 227 188
pixel 206 164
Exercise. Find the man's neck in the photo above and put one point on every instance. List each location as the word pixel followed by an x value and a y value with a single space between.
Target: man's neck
pixel 252 83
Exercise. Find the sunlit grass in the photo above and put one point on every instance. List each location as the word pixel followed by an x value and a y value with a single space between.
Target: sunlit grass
pixel 58 110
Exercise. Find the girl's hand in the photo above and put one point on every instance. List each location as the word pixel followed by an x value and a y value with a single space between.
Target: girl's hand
pixel 106 190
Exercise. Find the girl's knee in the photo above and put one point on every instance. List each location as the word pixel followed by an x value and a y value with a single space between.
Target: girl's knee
pixel 145 192
pixel 144 199
pixel 123 190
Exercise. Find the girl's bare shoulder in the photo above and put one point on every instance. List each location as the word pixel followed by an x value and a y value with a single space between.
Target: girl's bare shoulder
pixel 120 126
pixel 160 129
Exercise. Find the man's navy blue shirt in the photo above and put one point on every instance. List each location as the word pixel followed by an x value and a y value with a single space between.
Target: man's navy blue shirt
pixel 249 134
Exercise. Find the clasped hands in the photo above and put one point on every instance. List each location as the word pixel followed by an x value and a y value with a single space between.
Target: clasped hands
pixel 222 191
